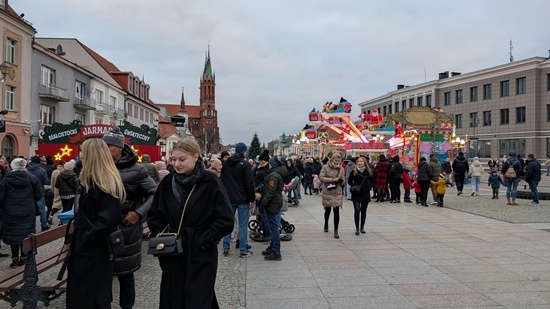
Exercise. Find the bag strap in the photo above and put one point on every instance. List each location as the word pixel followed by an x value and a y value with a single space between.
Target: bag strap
pixel 184 208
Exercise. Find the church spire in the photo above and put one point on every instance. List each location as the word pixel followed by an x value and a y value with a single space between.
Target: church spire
pixel 182 101
pixel 207 64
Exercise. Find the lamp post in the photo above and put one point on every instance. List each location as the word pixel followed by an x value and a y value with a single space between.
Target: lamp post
pixel 474 122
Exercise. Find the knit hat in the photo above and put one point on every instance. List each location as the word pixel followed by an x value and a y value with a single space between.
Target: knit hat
pixel 43 160
pixel 512 154
pixel 460 153
pixel 18 164
pixel 275 162
pixel 69 166
pixel 114 137
pixel 240 148
pixel 224 154
pixel 35 159
pixel 441 176
pixel 264 156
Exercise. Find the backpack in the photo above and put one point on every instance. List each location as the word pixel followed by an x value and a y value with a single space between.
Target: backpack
pixel 511 172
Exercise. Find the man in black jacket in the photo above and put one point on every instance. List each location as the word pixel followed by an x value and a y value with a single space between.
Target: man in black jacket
pixel 236 177
pixel 140 190
pixel 460 169
pixel 532 177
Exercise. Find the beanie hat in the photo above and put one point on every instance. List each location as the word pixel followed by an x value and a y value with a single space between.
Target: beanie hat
pixel 275 162
pixel 441 176
pixel 264 156
pixel 69 166
pixel 18 164
pixel 224 153
pixel 240 148
pixel 512 154
pixel 422 159
pixel 460 153
pixel 114 137
pixel 35 159
pixel 43 160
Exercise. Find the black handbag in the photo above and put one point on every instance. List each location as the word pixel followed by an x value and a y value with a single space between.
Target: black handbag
pixel 356 189
pixel 166 244
pixel 330 186
pixel 115 241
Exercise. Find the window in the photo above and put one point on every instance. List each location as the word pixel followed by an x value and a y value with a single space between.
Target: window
pixel 458 120
pixel 99 96
pixel 447 98
pixel 429 100
pixel 135 112
pixel 130 109
pixel 385 111
pixel 98 121
pixel 112 101
pixel 419 101
pixel 411 103
pixel 10 98
pixel 473 120
pixel 141 114
pixel 146 116
pixel 48 76
pixel 458 95
pixel 8 146
pixel 504 88
pixel 47 114
pixel 547 112
pixel 504 116
pixel 404 104
pixel 473 94
pixel 520 114
pixel 80 89
pixel 389 110
pixel 520 85
pixel 547 82
pixel 487 118
pixel 80 117
pixel 396 107
pixel 151 117
pixel 11 50
pixel 487 92
pixel 195 125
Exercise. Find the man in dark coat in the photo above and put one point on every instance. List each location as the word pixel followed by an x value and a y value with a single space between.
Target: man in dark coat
pixel 140 190
pixel 532 177
pixel 36 169
pixel 460 169
pixel 394 179
pixel 512 183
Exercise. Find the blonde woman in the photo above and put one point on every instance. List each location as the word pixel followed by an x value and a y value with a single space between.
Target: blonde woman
pixel 188 279
pixel 332 176
pixel 90 272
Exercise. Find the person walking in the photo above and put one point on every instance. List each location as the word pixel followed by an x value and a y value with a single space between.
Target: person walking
pixel 476 170
pixel 308 176
pixel 90 269
pixel 152 169
pixel 332 176
pixel 36 169
pixel 237 180
pixel 460 169
pixel 437 169
pixel 56 203
pixel 350 166
pixel 395 175
pixel 494 182
pixel 140 189
pixel 381 177
pixel 197 199
pixel 68 185
pixel 423 177
pixel 19 194
pixel 533 177
pixel 447 169
pixel 360 177
pixel 512 177
pixel 161 166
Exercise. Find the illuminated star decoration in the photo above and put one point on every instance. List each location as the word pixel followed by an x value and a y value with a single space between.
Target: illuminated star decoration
pixel 58 156
pixel 136 151
pixel 66 151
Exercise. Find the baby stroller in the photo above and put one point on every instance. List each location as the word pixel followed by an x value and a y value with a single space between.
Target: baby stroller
pixel 257 233
pixel 289 188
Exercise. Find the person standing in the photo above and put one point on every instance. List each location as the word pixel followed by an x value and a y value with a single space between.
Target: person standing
pixel 152 169
pixel 90 269
pixel 476 170
pixel 424 176
pixel 197 198
pixel 436 170
pixel 350 167
pixel 332 176
pixel 308 176
pixel 271 203
pixel 447 169
pixel 532 177
pixel 494 182
pixel 395 175
pixel 140 189
pixel 19 193
pixel 56 203
pixel 460 168
pixel 407 185
pixel 236 177
pixel 161 166
pixel 511 181
pixel 36 169
pixel 440 188
pixel 67 184
pixel 360 176
pixel 381 177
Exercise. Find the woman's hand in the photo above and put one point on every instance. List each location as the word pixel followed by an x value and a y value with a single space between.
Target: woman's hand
pixel 334 179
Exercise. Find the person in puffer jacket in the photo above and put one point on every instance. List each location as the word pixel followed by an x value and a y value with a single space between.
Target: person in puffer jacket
pixel 140 190
pixel 476 170
pixel 161 165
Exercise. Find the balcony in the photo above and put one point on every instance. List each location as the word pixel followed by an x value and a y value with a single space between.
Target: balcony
pixel 53 92
pixel 104 109
pixel 83 103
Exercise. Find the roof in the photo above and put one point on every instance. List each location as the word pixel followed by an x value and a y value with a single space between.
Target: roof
pixel 193 111
pixel 166 129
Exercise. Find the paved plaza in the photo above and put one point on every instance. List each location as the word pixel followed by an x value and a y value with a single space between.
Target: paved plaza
pixel 458 256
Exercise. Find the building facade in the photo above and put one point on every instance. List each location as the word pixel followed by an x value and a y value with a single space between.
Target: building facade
pixel 500 109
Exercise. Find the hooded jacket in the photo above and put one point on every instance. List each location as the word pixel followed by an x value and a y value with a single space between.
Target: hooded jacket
pixel 152 169
pixel 272 199
pixel 37 170
pixel 460 165
pixel 67 183
pixel 476 169
pixel 236 177
pixel 532 170
pixel 436 168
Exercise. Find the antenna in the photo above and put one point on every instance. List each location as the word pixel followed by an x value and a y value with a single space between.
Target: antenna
pixel 511 56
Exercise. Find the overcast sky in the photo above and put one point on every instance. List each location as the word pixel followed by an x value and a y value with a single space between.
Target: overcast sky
pixel 276 60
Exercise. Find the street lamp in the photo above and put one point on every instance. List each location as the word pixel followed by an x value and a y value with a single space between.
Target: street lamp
pixel 4 69
pixel 474 122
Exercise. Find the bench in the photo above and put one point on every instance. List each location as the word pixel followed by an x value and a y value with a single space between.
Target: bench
pixel 21 284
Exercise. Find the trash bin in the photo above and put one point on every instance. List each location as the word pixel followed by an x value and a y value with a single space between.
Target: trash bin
pixel 64 217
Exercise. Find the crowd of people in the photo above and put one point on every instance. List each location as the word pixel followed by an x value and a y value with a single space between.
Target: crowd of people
pixel 207 201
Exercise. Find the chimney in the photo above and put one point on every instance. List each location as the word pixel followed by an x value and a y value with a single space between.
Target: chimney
pixel 455 74
pixel 400 87
pixel 444 75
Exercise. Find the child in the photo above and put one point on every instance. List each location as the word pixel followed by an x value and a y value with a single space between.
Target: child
pixel 440 189
pixel 316 184
pixel 494 182
pixel 417 189
pixel 407 185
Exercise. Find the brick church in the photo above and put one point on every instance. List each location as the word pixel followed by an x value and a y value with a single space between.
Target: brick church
pixel 201 121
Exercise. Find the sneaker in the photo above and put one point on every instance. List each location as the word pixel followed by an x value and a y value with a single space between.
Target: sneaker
pixel 534 204
pixel 237 245
pixel 473 193
pixel 45 228
pixel 459 193
pixel 274 256
pixel 433 203
pixel 245 254
pixel 226 253
pixel 50 220
pixel 267 251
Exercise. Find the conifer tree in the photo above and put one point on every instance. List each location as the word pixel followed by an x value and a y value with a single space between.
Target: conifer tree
pixel 255 147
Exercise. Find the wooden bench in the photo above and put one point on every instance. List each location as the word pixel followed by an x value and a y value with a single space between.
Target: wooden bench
pixel 21 284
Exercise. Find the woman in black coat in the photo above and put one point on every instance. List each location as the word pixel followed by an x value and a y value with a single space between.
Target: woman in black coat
pixel 90 268
pixel 360 176
pixel 19 192
pixel 424 175
pixel 188 278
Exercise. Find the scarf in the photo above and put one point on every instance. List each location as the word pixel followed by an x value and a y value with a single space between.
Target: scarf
pixel 361 169
pixel 181 183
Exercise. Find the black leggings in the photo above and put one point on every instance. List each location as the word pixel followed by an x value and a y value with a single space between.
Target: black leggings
pixel 15 249
pixel 360 209
pixel 336 216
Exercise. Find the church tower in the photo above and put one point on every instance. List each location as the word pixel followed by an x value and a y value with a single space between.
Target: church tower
pixel 209 116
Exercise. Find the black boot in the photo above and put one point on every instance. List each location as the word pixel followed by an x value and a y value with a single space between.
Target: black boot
pixel 356 231
pixel 326 227
pixel 336 234
pixel 14 262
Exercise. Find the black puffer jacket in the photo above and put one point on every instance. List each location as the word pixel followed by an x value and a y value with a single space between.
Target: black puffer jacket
pixel 272 199
pixel 140 190
pixel 67 183
pixel 19 191
pixel 460 165
pixel 236 177
pixel 425 172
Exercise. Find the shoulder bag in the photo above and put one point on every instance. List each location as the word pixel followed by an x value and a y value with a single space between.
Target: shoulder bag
pixel 166 244
pixel 115 241
pixel 355 189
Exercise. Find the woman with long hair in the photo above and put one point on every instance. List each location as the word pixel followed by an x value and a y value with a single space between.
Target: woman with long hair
pixel 381 177
pixel 196 198
pixel 90 270
pixel 361 177
pixel 332 176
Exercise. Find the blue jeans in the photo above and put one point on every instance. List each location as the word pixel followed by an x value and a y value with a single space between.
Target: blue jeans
pixel 127 291
pixel 42 206
pixel 533 186
pixel 475 183
pixel 512 188
pixel 243 212
pixel 274 221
